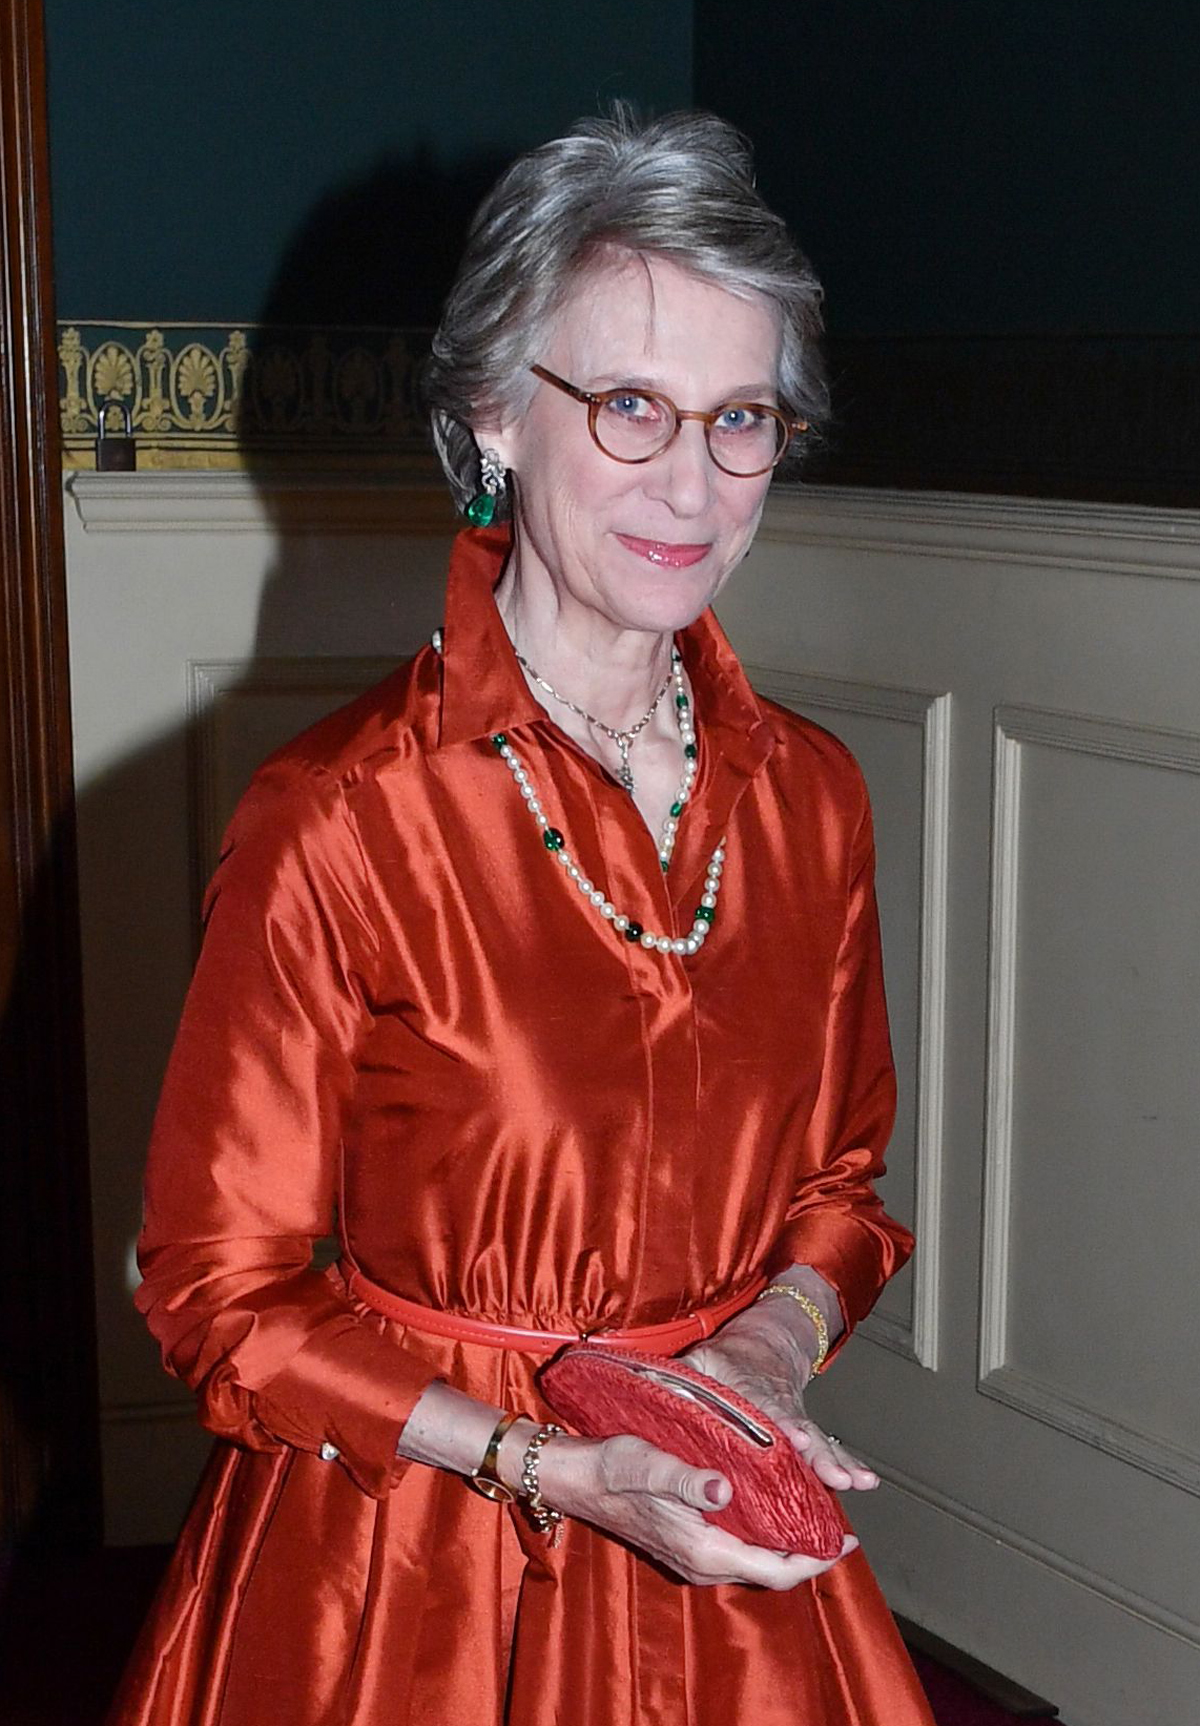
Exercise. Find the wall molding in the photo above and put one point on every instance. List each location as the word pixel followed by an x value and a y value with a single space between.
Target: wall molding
pixel 228 394
pixel 160 1412
pixel 49 1451
pixel 917 1339
pixel 321 502
pixel 1070 1570
pixel 1056 414
pixel 1125 539
pixel 208 680
pixel 1110 538
pixel 1115 740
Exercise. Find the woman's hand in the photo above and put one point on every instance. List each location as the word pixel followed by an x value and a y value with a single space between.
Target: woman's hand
pixel 655 1502
pixel 622 1485
pixel 764 1354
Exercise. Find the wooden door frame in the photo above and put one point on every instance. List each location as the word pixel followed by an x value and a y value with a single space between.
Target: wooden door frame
pixel 49 1424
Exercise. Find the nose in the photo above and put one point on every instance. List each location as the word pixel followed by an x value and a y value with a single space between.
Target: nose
pixel 683 474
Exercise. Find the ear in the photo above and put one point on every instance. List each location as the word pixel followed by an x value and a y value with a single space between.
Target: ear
pixel 501 438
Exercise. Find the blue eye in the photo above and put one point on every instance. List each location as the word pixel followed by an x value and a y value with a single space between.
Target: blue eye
pixel 742 417
pixel 634 407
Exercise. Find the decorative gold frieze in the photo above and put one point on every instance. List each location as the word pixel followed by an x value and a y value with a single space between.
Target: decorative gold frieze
pixel 224 396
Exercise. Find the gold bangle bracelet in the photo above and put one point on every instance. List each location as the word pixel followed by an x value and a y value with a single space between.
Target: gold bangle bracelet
pixel 483 1479
pixel 813 1311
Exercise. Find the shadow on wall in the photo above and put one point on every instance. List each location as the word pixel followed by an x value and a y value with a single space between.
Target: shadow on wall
pixel 334 358
pixel 381 250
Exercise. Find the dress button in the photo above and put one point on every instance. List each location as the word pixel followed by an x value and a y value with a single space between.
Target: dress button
pixel 329 1452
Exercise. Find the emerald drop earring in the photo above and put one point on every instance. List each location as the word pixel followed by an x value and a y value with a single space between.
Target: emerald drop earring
pixel 481 510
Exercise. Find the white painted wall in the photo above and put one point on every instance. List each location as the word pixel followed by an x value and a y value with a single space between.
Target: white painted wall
pixel 1019 681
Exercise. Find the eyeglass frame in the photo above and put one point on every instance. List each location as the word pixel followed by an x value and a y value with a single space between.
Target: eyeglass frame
pixel 594 400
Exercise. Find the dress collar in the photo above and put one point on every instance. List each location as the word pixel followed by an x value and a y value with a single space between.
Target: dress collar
pixel 484 691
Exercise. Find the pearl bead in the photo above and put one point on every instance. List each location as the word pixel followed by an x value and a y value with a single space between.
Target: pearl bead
pixel 632 930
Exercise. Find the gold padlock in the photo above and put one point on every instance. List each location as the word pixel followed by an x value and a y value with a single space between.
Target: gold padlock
pixel 115 454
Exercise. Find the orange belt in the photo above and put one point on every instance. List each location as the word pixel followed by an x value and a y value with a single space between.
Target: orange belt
pixel 666 1338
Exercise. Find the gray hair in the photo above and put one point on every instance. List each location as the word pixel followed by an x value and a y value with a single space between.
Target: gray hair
pixel 681 188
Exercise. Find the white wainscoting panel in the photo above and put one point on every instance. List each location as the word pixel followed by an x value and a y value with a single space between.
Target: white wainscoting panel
pixel 212 616
pixel 1028 1390
pixel 901 738
pixel 1094 1028
pixel 241 710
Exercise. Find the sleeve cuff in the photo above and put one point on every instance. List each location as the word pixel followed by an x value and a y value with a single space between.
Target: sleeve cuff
pixel 855 1255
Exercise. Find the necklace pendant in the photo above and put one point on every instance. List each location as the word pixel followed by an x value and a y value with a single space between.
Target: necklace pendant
pixel 625 776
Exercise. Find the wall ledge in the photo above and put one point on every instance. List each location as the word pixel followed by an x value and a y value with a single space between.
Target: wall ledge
pixel 233 502
pixel 1128 539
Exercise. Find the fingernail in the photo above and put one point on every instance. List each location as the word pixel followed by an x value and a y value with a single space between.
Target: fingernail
pixel 714 1491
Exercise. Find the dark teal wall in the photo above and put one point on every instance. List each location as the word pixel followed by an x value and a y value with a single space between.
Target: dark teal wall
pixel 975 165
pixel 952 165
pixel 190 142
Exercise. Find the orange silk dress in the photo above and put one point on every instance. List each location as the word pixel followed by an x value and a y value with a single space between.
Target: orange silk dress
pixel 405 1015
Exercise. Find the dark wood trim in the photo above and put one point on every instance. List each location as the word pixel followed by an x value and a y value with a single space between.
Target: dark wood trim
pixel 1006 1693
pixel 49 1445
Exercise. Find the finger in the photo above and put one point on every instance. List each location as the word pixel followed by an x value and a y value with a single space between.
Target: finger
pixel 644 1468
pixel 832 1463
pixel 781 1571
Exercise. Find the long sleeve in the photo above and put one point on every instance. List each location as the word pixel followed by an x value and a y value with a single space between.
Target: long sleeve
pixel 245 1157
pixel 836 1222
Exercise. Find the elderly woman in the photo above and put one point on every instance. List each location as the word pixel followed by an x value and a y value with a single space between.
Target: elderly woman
pixel 551 966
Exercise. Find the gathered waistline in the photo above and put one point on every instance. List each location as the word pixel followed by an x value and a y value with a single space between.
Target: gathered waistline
pixel 665 1338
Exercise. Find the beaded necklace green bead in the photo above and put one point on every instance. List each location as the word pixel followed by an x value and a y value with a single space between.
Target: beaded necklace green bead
pixel 556 845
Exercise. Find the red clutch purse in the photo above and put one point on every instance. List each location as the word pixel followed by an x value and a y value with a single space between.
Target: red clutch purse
pixel 777 1502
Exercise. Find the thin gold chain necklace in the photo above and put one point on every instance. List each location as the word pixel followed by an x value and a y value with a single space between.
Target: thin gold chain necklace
pixel 622 739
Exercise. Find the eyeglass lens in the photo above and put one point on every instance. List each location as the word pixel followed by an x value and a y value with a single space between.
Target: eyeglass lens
pixel 745 438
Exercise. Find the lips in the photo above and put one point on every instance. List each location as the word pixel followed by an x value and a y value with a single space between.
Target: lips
pixel 664 554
